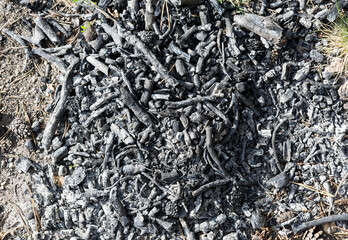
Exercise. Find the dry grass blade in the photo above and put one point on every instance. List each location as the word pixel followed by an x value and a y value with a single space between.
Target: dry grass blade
pixel 336 36
pixel 36 215
pixel 3 137
pixel 313 189
pixel 21 215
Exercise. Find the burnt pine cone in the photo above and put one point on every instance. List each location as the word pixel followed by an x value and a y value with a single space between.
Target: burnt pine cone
pixel 20 128
pixel 171 209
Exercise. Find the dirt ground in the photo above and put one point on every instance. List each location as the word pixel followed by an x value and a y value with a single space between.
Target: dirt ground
pixel 22 96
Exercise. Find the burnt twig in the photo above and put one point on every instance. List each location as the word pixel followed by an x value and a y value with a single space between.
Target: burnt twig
pixel 205 187
pixel 136 108
pixel 212 153
pixel 310 224
pixel 59 109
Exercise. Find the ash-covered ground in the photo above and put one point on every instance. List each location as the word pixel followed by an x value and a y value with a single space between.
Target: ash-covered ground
pixel 186 120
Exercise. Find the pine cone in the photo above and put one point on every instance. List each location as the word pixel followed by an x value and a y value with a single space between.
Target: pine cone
pixel 171 209
pixel 20 128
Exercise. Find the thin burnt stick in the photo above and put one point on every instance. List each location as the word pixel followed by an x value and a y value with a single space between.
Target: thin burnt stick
pixel 274 134
pixel 155 182
pixel 189 235
pixel 47 29
pixel 136 108
pixel 265 27
pixel 59 110
pixel 321 221
pixel 102 100
pixel 218 113
pixel 38 37
pixel 58 49
pixel 108 149
pixel 21 42
pixel 210 147
pixel 205 187
pixel 126 81
pixel 183 39
pixel 188 102
pixel 149 15
pixel 141 47
pixel 59 27
pixel 148 89
pixel 234 105
pixel 52 59
pixel 98 65
pixel 114 33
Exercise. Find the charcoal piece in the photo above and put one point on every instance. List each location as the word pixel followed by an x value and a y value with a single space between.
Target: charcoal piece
pixel 131 102
pixel 59 154
pixel 104 99
pixel 23 164
pixel 75 178
pixel 123 134
pixel 38 37
pixel 262 26
pixel 48 30
pixel 59 27
pixel 216 183
pixel 188 102
pixel 258 220
pixel 287 96
pixel 147 53
pixel 59 63
pixel 231 236
pixel 184 3
pixel 132 169
pixel 343 91
pixel 306 22
pixel 175 49
pixel 189 235
pixel 180 67
pixel 59 110
pixel 149 15
pixel 98 65
pixel 321 221
pixel 210 224
pixel 217 7
pixel 279 181
pixel 119 208
pixel 165 224
pixel 302 73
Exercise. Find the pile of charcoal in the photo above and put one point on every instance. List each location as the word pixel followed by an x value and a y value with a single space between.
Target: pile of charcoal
pixel 188 119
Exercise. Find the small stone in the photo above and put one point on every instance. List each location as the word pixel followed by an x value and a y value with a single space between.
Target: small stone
pixel 279 181
pixel 29 144
pixel 343 91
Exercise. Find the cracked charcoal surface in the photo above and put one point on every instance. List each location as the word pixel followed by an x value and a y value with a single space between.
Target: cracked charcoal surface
pixel 138 108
